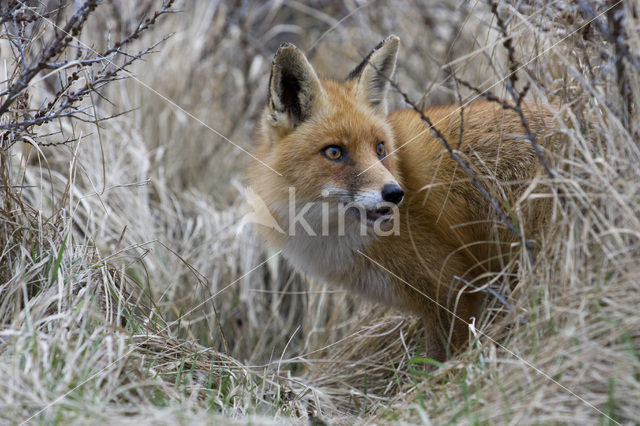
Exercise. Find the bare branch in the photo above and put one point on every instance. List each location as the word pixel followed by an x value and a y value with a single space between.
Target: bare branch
pixel 614 36
pixel 65 101
pixel 71 29
pixel 517 96
pixel 464 166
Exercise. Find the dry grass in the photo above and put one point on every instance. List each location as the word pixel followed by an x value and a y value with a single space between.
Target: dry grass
pixel 128 295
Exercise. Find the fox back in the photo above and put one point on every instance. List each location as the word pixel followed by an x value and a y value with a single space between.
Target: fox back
pixel 372 202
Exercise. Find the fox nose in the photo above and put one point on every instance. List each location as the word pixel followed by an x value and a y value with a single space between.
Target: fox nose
pixel 392 193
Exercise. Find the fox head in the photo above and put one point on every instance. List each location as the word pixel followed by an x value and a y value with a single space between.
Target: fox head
pixel 329 139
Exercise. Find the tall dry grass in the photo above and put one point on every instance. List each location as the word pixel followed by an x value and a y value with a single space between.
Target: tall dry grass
pixel 128 294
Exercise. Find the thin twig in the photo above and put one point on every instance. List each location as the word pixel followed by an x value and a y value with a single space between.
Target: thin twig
pixel 463 165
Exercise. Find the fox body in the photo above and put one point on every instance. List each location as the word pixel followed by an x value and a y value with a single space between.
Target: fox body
pixel 388 213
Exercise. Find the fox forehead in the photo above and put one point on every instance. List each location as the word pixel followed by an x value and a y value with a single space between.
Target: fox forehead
pixel 346 120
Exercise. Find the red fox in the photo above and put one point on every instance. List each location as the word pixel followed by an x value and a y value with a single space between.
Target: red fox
pixel 372 201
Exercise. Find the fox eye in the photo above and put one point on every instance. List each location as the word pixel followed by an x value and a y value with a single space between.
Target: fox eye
pixel 380 150
pixel 332 152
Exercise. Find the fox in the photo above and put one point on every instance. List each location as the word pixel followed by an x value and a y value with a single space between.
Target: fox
pixel 388 214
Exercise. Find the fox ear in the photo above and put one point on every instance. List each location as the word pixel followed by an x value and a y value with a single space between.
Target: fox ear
pixel 372 75
pixel 294 88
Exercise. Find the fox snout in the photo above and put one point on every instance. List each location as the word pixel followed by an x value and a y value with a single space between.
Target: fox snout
pixel 390 195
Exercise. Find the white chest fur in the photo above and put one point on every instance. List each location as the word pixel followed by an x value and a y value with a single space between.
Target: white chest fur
pixel 335 260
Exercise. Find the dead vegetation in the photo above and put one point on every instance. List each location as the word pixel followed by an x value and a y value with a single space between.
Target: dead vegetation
pixel 128 294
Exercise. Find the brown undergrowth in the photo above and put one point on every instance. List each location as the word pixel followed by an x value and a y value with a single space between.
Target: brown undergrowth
pixel 129 294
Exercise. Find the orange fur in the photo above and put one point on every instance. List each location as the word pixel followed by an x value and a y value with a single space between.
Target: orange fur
pixel 446 227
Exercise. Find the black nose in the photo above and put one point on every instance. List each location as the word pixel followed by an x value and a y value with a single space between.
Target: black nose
pixel 392 193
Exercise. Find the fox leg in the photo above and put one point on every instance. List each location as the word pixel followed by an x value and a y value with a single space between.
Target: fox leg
pixel 469 306
pixel 434 339
pixel 442 340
